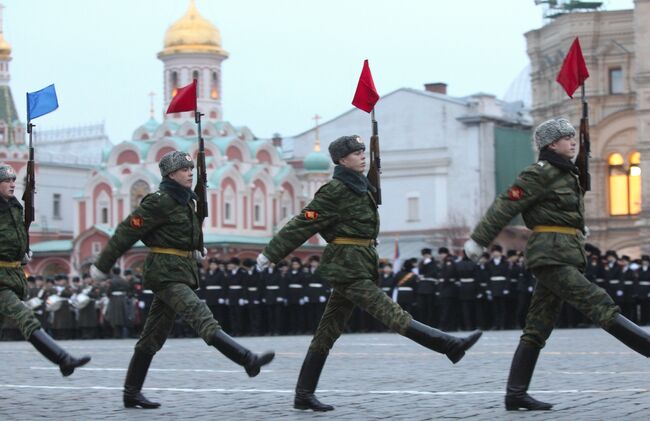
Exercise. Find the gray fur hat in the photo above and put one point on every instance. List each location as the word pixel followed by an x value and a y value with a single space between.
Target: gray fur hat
pixel 174 160
pixel 7 172
pixel 551 131
pixel 344 146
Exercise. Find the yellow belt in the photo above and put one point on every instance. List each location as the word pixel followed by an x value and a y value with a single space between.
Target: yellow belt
pixel 175 252
pixel 9 264
pixel 349 241
pixel 557 229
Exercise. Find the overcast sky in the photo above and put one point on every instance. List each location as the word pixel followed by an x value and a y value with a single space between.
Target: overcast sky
pixel 289 59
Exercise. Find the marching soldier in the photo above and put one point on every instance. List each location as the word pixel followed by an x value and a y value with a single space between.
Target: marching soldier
pixel 13 285
pixel 426 288
pixel 499 286
pixel 167 223
pixel 343 211
pixel 549 196
pixel 468 292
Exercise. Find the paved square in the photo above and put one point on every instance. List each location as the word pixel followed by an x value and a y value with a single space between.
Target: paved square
pixel 586 373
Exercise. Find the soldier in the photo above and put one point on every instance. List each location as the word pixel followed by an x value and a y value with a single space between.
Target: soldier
pixel 448 288
pixel 316 293
pixel 405 283
pixel 643 290
pixel 117 307
pixel 236 296
pixel 612 273
pixel 343 211
pixel 467 291
pixel 13 285
pixel 549 197
pixel 525 288
pixel 499 286
pixel 87 316
pixel 215 293
pixel 272 299
pixel 166 222
pixel 626 298
pixel 63 323
pixel 426 288
pixel 296 293
pixel 254 291
pixel 515 271
pixel 483 295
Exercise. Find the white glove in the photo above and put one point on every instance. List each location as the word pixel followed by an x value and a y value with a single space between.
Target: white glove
pixel 27 258
pixel 587 232
pixel 97 274
pixel 141 304
pixel 241 302
pixel 280 300
pixel 322 299
pixel 262 262
pixel 221 301
pixel 305 299
pixel 473 250
pixel 199 256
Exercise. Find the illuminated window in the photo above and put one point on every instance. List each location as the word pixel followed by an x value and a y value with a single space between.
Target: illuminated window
pixel 214 93
pixel 174 83
pixel 624 185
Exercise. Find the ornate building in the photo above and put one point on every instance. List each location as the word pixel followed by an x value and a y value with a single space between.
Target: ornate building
pixel 86 185
pixel 616 46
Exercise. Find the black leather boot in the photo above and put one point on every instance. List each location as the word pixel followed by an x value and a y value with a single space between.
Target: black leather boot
pixel 53 352
pixel 521 371
pixel 454 348
pixel 307 382
pixel 630 334
pixel 240 355
pixel 138 368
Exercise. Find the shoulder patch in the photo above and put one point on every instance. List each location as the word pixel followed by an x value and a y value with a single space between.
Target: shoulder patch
pixel 136 222
pixel 311 215
pixel 515 193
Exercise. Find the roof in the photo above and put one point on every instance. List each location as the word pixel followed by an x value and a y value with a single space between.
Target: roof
pixel 51 246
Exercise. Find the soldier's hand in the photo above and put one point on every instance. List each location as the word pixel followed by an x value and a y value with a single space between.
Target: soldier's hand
pixel 473 250
pixel 199 255
pixel 262 262
pixel 27 258
pixel 97 274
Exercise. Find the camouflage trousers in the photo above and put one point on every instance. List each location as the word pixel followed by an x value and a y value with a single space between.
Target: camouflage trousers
pixel 11 307
pixel 369 297
pixel 556 284
pixel 175 298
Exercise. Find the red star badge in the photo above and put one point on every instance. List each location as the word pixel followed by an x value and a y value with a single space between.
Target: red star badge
pixel 515 193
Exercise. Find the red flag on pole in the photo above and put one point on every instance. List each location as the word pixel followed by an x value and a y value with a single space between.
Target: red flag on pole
pixel 184 100
pixel 366 95
pixel 574 70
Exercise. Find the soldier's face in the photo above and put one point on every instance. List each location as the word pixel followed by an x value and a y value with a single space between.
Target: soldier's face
pixel 184 177
pixel 565 147
pixel 7 188
pixel 356 161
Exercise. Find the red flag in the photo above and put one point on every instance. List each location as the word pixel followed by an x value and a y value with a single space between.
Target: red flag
pixel 574 70
pixel 184 100
pixel 366 95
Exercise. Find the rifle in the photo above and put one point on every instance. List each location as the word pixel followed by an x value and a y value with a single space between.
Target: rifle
pixel 30 186
pixel 374 173
pixel 582 162
pixel 201 182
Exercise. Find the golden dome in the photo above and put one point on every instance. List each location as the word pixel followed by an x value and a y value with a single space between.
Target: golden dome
pixel 192 34
pixel 5 48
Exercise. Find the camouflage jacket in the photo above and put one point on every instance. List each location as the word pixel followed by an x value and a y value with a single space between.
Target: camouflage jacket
pixel 337 210
pixel 545 195
pixel 166 220
pixel 13 245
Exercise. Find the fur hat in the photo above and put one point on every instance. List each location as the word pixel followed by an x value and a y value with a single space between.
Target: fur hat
pixel 344 146
pixel 551 131
pixel 7 172
pixel 173 161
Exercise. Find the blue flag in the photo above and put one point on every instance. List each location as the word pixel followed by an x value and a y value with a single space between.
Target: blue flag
pixel 41 102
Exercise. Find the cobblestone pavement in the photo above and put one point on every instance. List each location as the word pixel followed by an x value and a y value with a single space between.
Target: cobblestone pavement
pixel 586 373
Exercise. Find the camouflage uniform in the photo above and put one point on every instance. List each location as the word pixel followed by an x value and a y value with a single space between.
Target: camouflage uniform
pixel 13 284
pixel 338 211
pixel 162 221
pixel 546 195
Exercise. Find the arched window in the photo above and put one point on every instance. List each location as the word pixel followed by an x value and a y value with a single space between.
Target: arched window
pixel 624 185
pixel 174 84
pixel 229 206
pixel 103 201
pixel 214 92
pixel 139 190
pixel 258 208
pixel 286 205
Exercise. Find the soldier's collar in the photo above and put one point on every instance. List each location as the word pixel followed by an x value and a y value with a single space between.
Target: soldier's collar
pixel 11 203
pixel 179 193
pixel 557 160
pixel 357 182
